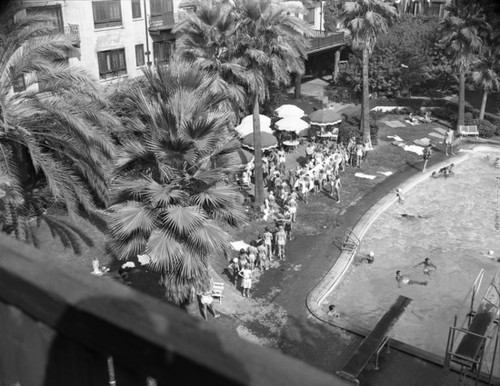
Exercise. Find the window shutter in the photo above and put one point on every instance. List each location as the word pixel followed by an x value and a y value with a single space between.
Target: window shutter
pixel 101 59
pixel 139 55
pixel 136 9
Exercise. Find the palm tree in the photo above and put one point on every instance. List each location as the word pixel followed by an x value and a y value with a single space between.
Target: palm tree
pixel 273 43
pixel 171 195
pixel 486 75
pixel 206 37
pixel 53 150
pixel 366 20
pixel 463 30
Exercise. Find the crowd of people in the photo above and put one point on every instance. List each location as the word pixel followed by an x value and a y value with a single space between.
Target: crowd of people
pixel 285 187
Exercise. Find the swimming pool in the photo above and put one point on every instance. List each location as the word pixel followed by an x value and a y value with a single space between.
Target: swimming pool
pixel 458 225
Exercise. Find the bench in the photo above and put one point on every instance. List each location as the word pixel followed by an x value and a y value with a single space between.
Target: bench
pixel 374 342
pixel 468 130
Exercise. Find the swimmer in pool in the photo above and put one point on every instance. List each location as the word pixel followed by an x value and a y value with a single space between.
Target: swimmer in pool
pixel 402 279
pixel 428 266
pixel 415 216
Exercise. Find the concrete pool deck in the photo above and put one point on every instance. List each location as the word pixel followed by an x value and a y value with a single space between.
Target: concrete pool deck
pixel 332 279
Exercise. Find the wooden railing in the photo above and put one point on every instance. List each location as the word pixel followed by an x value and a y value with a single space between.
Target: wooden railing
pixel 323 40
pixel 59 327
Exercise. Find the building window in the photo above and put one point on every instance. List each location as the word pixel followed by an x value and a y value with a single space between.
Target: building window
pixel 107 13
pixel 111 63
pixel 52 12
pixel 162 51
pixel 18 83
pixel 136 9
pixel 160 6
pixel 139 55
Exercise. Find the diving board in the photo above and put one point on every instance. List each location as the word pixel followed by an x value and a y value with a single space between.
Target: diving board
pixel 479 329
pixel 374 342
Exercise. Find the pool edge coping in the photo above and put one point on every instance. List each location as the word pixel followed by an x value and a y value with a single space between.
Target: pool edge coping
pixel 334 276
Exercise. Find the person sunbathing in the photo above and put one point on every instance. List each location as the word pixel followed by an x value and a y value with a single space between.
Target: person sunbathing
pixel 427 117
pixel 413 119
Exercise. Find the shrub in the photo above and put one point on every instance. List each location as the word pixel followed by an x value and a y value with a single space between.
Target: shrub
pixel 446 113
pixel 347 130
pixel 350 127
pixel 486 128
pixel 468 118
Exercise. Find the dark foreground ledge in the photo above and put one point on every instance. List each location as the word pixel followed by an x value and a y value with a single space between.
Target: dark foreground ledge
pixel 59 327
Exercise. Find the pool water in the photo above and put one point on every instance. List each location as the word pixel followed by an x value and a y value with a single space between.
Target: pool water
pixel 458 227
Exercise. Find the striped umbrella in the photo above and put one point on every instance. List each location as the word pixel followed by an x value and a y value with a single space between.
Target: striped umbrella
pixel 325 117
pixel 268 141
pixel 243 156
pixel 296 125
pixel 289 111
pixel 246 125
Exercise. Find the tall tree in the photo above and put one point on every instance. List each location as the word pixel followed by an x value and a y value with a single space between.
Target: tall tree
pixel 463 31
pixel 171 195
pixel 486 75
pixel 272 41
pixel 206 37
pixel 53 150
pixel 366 20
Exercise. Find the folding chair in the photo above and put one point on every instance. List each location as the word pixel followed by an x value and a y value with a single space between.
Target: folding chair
pixel 217 289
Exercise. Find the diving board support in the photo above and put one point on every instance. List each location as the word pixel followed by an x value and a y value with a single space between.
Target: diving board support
pixel 477 333
pixel 373 344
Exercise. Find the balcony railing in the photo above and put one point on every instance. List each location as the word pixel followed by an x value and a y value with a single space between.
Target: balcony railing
pixel 73 30
pixel 60 327
pixel 324 40
pixel 161 22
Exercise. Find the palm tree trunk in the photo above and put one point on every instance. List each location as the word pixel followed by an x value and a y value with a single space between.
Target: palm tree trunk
pixel 461 97
pixel 365 103
pixel 257 144
pixel 298 85
pixel 336 66
pixel 483 104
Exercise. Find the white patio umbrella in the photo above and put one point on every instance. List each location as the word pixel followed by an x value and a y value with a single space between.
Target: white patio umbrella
pixel 292 124
pixel 246 125
pixel 289 111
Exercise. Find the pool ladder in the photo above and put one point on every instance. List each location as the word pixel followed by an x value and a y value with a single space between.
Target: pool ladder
pixel 351 241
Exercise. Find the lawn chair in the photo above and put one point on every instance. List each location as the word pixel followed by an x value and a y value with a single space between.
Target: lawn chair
pixel 217 289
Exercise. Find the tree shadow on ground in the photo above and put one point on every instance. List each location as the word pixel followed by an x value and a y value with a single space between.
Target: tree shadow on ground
pixel 316 343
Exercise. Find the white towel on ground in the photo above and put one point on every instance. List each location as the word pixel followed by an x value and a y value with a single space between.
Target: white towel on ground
pixel 414 149
pixel 396 137
pixel 440 130
pixel 240 244
pixel 385 173
pixel 363 175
